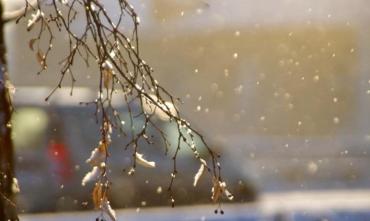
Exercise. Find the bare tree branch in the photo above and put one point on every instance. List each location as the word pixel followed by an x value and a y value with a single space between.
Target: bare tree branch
pixel 123 74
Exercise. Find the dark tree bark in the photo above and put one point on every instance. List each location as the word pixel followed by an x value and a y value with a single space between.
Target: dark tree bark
pixel 7 207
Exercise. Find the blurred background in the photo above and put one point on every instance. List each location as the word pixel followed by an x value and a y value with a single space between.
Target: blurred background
pixel 280 88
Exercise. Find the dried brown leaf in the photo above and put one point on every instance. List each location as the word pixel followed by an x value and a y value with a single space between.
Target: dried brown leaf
pixel 103 147
pixel 107 77
pixel 31 43
pixel 98 195
pixel 40 56
pixel 216 190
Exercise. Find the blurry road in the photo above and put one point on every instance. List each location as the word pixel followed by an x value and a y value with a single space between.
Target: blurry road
pixel 293 206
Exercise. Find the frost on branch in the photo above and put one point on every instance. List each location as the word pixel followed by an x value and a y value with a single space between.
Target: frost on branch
pixel 108 209
pixel 15 186
pixel 200 172
pixel 34 19
pixel 93 175
pixel 155 106
pixel 109 46
pixel 140 160
pixel 98 155
pixel 198 175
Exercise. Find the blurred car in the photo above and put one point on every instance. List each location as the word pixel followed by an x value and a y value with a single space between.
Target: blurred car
pixel 53 141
